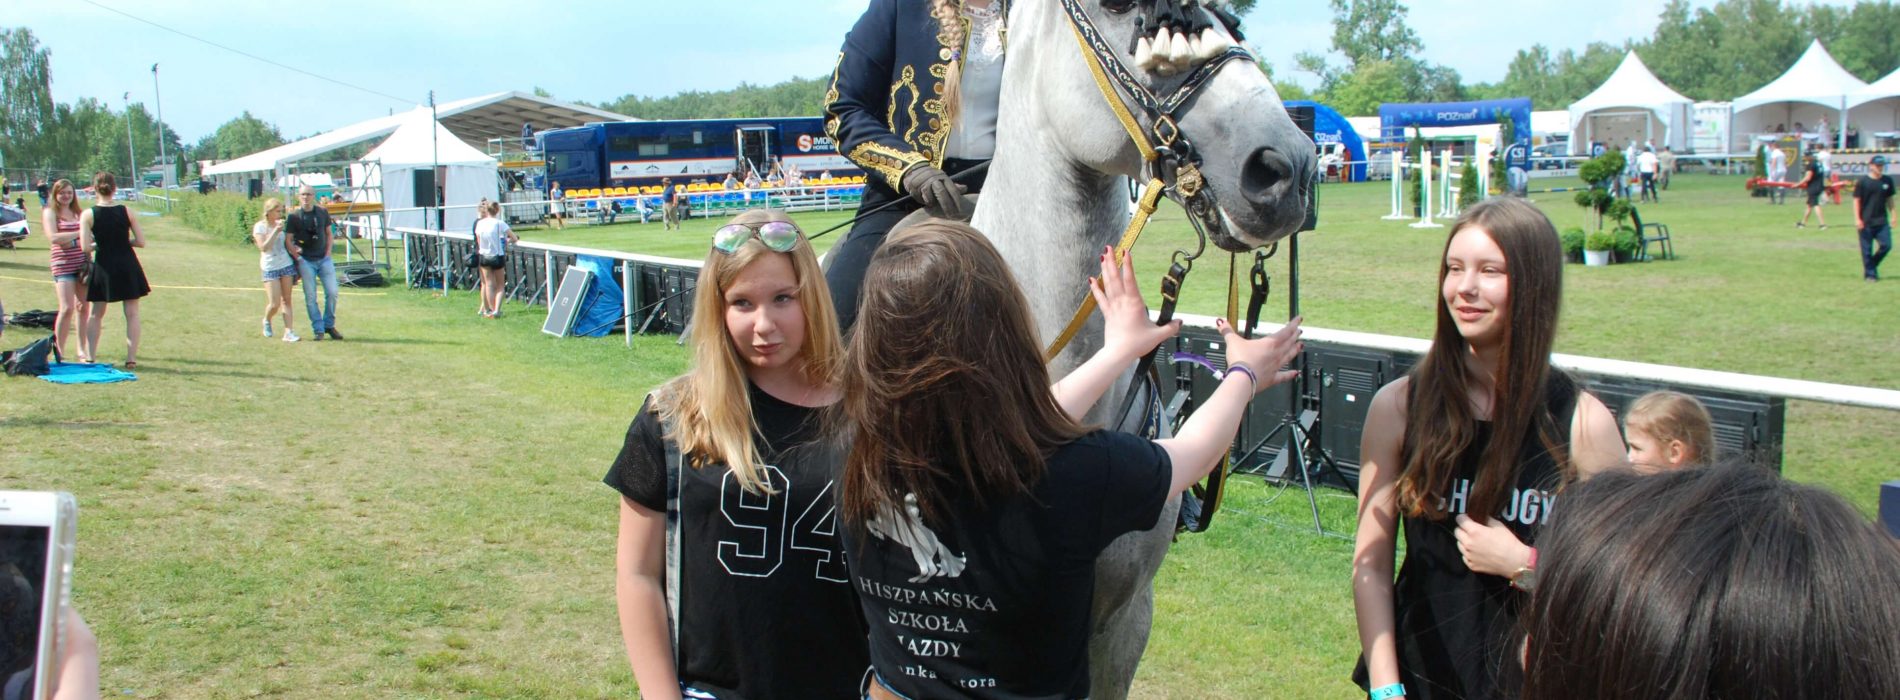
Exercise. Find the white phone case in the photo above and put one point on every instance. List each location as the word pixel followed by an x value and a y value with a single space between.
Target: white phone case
pixel 56 513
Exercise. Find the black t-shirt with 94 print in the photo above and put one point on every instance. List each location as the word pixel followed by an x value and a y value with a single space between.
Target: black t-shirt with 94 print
pixel 995 603
pixel 764 607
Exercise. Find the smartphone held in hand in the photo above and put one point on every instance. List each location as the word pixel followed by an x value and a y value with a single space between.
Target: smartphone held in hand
pixel 36 553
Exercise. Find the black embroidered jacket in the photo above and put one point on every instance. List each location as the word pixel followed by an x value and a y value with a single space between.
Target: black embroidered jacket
pixel 885 105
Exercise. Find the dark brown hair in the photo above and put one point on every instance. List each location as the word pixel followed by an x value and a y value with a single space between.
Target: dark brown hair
pixel 945 390
pixel 1439 421
pixel 1715 582
pixel 103 184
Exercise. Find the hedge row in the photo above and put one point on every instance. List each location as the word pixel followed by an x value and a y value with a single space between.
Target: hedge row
pixel 222 214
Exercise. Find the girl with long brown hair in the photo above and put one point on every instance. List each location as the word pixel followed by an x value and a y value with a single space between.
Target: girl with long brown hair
pixel 974 502
pixel 1482 425
pixel 729 579
pixel 68 262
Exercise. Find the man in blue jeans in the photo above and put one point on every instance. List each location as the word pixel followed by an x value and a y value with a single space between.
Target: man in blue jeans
pixel 308 230
pixel 1873 209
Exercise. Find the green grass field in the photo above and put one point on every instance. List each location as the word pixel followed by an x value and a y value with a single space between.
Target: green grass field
pixel 416 512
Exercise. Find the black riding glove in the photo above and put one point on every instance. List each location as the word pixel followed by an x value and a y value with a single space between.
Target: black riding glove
pixel 935 190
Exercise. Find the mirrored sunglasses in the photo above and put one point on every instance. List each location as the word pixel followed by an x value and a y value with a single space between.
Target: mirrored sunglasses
pixel 780 236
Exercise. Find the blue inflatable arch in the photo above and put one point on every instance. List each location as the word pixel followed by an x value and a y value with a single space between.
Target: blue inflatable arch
pixel 1330 127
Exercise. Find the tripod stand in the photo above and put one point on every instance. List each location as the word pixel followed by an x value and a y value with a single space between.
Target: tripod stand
pixel 1300 425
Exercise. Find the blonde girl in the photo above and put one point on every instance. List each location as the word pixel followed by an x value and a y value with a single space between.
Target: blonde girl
pixel 279 269
pixel 729 578
pixel 1668 430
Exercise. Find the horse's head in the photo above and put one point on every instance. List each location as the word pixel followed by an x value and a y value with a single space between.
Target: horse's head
pixel 1169 61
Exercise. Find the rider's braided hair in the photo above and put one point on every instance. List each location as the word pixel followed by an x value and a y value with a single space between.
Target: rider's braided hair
pixel 951 31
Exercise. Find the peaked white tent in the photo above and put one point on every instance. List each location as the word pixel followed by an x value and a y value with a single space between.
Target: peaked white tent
pixel 1632 105
pixel 1815 87
pixel 1876 108
pixel 390 174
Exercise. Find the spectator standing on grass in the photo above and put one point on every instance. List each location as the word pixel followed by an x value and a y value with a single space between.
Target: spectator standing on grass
pixel 1646 166
pixel 279 267
pixel 1666 167
pixel 1814 181
pixel 492 238
pixel 1873 210
pixel 310 242
pixel 669 208
pixel 69 263
pixel 1482 427
pixel 42 190
pixel 735 450
pixel 974 503
pixel 108 232
pixel 1778 172
pixel 557 206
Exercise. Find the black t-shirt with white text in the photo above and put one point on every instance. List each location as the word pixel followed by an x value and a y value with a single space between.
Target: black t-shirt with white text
pixel 759 586
pixel 995 603
pixel 1871 195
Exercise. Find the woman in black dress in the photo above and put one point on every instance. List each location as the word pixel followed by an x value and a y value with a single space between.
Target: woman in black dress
pixel 109 233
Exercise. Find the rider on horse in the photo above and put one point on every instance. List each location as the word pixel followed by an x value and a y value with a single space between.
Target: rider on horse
pixel 913 101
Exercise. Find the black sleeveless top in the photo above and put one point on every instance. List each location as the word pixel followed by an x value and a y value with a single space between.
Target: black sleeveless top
pixel 1455 626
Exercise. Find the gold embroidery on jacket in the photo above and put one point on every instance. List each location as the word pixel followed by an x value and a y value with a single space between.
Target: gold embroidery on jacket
pixel 831 100
pixel 906 81
pixel 886 161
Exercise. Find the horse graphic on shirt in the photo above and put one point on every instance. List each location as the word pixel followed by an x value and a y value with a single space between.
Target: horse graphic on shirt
pixel 932 557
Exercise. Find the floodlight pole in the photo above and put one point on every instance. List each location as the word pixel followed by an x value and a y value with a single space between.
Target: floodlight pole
pixel 170 168
pixel 131 160
pixel 435 169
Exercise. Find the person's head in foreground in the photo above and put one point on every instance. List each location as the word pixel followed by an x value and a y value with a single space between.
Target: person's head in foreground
pixel 1716 582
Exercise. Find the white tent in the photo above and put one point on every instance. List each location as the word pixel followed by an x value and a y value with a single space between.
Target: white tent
pixel 1876 108
pixel 1814 88
pixel 389 174
pixel 1632 105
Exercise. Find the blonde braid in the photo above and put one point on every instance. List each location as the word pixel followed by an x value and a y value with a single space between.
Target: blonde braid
pixel 950 32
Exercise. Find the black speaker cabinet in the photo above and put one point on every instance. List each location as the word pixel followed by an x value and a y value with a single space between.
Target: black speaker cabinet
pixel 1346 380
pixel 1744 425
pixel 425 188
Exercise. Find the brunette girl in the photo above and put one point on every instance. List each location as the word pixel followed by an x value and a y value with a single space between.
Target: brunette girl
pixel 1482 425
pixel 68 262
pixel 975 504
pixel 109 232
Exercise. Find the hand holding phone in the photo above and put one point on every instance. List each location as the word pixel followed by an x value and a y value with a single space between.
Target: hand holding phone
pixel 36 548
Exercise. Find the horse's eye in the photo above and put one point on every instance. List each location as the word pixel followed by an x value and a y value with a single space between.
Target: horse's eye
pixel 1118 6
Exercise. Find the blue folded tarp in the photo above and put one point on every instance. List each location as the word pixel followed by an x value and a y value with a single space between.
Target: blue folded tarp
pixel 601 305
pixel 75 373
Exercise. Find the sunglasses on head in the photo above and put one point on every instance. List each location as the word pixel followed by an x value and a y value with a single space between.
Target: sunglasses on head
pixel 780 236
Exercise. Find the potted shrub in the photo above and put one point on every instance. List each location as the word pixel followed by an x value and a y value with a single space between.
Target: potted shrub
pixel 1626 244
pixel 1573 244
pixel 1596 248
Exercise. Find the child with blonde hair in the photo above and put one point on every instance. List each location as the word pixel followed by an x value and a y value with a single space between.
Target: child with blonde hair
pixel 1668 430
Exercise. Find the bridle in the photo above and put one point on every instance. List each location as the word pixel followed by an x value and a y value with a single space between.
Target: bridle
pixel 1172 166
pixel 1169 158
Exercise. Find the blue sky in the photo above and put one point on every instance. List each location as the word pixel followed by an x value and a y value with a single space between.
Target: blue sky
pixel 595 51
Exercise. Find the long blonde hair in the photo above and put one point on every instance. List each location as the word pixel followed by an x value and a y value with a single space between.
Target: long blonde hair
pixel 951 31
pixel 709 406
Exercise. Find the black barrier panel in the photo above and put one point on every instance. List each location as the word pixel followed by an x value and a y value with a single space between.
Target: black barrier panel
pixel 1345 380
pixel 1744 425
